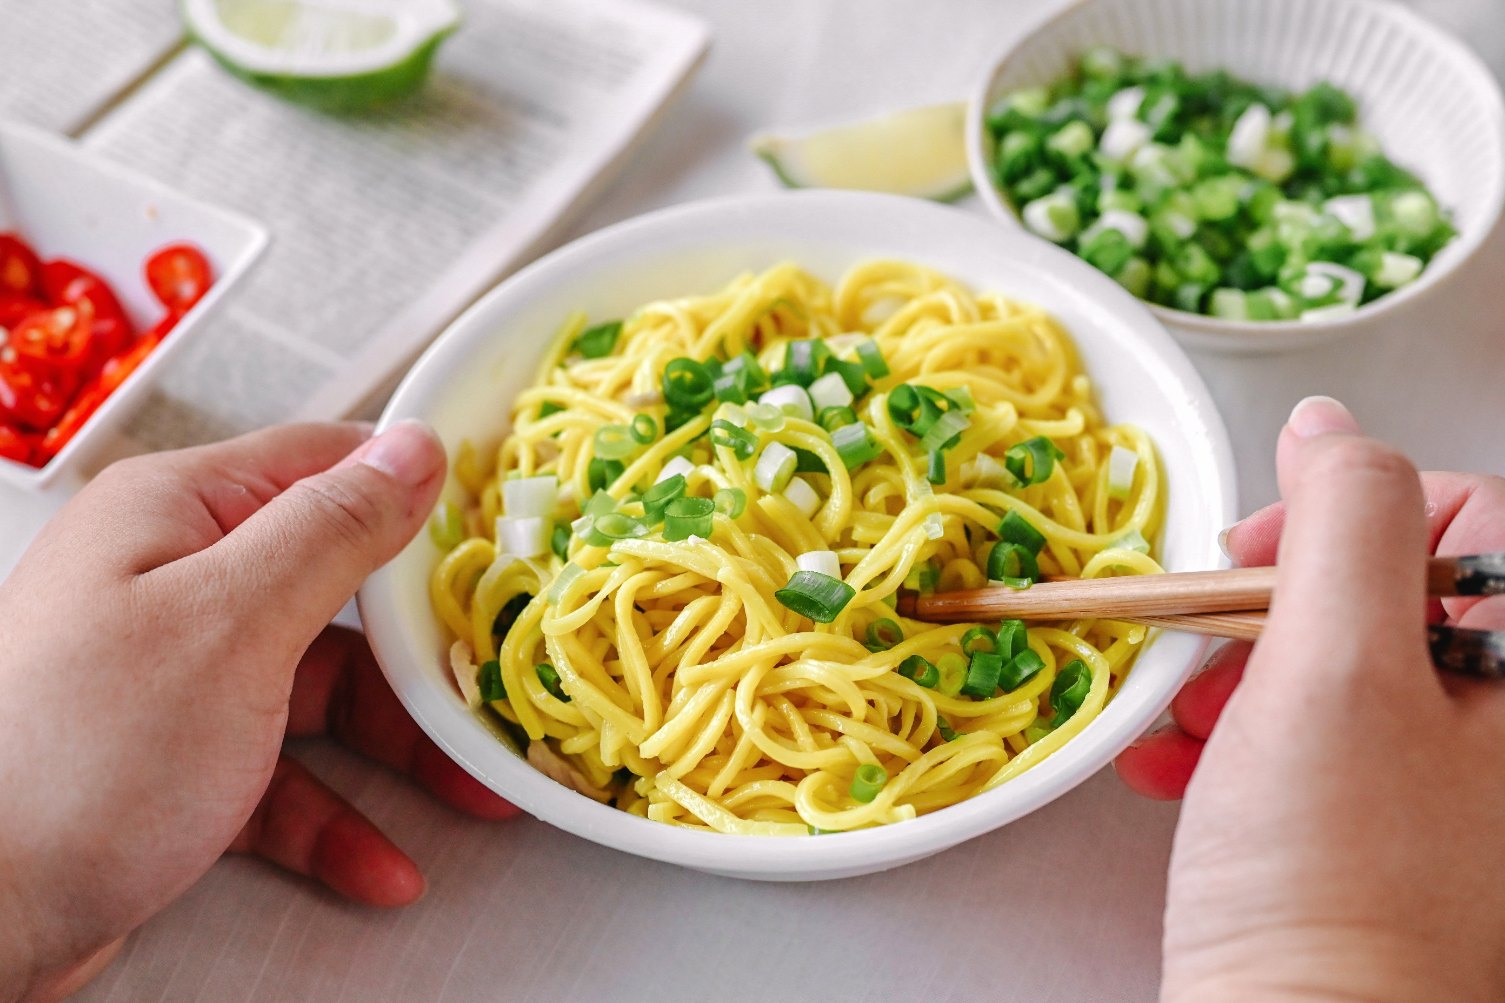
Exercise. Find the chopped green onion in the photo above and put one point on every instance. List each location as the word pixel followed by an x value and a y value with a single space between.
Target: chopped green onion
pixel 615 442
pixel 549 676
pixel 814 595
pixel 739 440
pixel 559 542
pixel 802 496
pixel 766 416
pixel 530 496
pixel 884 634
pixel 830 391
pixel 953 670
pixel 824 561
pixel 867 782
pixel 547 408
pixel 975 636
pixel 1013 639
pixel 855 445
pixel 904 405
pixel 731 502
pixel 644 428
pixel 1031 461
pixel 923 578
pixel 732 387
pixel 774 467
pixel 686 517
pixel 946 431
pixel 658 497
pixel 920 669
pixel 982 675
pixel 489 680
pixel 935 468
pixel 803 360
pixel 687 385
pixel 522 536
pixel 601 473
pixel 677 467
pixel 613 526
pixel 1132 540
pixel 945 730
pixel 852 374
pixel 598 342
pixel 1121 465
pixel 568 576
pixel 599 503
pixel 962 398
pixel 1017 529
pixel 505 617
pixel 832 418
pixel 1010 560
pixel 871 357
pixel 1020 670
pixel 447 526
pixel 791 399
pixel 1069 690
pixel 806 462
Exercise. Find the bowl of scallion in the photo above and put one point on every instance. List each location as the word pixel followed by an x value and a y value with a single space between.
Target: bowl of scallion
pixel 1264 176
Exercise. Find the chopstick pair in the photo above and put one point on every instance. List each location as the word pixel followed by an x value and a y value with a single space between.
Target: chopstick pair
pixel 1228 603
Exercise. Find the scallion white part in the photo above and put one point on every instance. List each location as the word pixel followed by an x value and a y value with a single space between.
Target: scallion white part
pixel 791 399
pixel 830 391
pixel 568 576
pixel 677 466
pixel 1355 212
pixel 1123 138
pixel 823 561
pixel 733 413
pixel 983 470
pixel 1330 312
pixel 1132 540
pixel 1350 284
pixel 933 526
pixel 530 496
pixel 1397 270
pixel 1125 104
pixel 1134 227
pixel 774 467
pixel 1250 137
pixel 802 496
pixel 1052 216
pixel 522 536
pixel 1121 466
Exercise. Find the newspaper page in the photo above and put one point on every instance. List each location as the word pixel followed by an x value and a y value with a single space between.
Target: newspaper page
pixel 65 60
pixel 385 226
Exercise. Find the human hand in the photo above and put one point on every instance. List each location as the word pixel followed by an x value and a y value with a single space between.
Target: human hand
pixel 1343 819
pixel 160 638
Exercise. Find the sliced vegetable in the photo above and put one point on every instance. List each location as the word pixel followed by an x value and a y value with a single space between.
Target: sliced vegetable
pixel 819 597
pixel 867 782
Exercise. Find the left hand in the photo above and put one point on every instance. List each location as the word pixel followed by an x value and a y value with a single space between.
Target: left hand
pixel 159 639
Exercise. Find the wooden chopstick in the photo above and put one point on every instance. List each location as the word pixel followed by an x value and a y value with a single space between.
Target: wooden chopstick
pixel 1176 594
pixel 1235 626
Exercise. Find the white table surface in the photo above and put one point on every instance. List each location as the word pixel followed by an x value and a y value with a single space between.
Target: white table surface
pixel 1064 905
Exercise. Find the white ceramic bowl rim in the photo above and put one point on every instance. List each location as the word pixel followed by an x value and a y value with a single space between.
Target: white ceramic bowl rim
pixel 1458 251
pixel 863 849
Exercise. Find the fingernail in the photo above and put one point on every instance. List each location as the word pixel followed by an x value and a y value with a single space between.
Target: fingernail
pixel 1320 416
pixel 409 452
pixel 1223 541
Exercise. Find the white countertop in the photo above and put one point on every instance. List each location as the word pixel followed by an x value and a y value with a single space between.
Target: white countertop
pixel 1063 905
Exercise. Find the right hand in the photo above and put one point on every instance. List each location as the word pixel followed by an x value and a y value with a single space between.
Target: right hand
pixel 1341 831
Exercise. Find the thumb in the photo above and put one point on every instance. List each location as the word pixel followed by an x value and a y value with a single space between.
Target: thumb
pixel 301 557
pixel 1351 582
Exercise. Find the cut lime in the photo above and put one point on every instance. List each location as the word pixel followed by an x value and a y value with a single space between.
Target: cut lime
pixel 341 55
pixel 919 152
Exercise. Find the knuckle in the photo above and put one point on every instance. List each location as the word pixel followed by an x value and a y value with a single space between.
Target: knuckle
pixel 337 509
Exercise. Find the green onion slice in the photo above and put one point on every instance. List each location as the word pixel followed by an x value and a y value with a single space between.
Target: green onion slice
pixel 935 467
pixel 920 669
pixel 975 637
pixel 1017 529
pixel 1031 461
pixel 559 541
pixel 871 357
pixel 1013 638
pixel 613 526
pixel 884 634
pixel 739 440
pixel 490 681
pixel 601 473
pixel 446 526
pixel 832 418
pixel 687 385
pixel 816 596
pixel 644 428
pixel 867 782
pixel 953 670
pixel 730 502
pixel 615 442
pixel 855 445
pixel 1069 690
pixel 598 342
pixel 982 675
pixel 549 676
pixel 658 497
pixel 1024 667
pixel 1010 560
pixel 686 517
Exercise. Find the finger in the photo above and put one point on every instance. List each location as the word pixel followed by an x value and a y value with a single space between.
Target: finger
pixel 304 553
pixel 1465 515
pixel 1201 701
pixel 1349 561
pixel 303 826
pixel 147 511
pixel 339 690
pixel 1161 764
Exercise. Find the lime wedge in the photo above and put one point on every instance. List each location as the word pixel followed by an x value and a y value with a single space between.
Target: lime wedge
pixel 341 55
pixel 919 152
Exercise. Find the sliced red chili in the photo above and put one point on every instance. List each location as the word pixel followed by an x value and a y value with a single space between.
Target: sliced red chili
pixel 178 275
pixel 67 282
pixel 20 271
pixel 32 395
pixel 85 403
pixel 60 338
pixel 16 444
pixel 16 307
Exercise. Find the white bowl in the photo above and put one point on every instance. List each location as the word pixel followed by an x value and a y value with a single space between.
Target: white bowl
pixel 464 382
pixel 1435 108
pixel 69 202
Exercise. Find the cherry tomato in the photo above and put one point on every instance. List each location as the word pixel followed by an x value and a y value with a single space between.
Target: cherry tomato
pixel 178 275
pixel 16 444
pixel 20 271
pixel 60 338
pixel 16 307
pixel 32 395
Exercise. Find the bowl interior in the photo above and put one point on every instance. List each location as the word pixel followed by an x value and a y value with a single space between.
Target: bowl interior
pixel 463 386
pixel 68 202
pixel 1432 104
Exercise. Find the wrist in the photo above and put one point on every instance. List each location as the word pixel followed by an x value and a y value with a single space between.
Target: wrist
pixel 1321 965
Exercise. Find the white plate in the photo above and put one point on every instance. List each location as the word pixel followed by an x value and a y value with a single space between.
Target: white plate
pixel 464 383
pixel 69 202
pixel 1435 108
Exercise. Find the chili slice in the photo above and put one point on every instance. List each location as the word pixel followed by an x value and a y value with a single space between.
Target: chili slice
pixel 178 275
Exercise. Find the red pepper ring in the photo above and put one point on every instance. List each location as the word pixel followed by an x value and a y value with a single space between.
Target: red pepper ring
pixel 33 396
pixel 59 338
pixel 17 445
pixel 20 271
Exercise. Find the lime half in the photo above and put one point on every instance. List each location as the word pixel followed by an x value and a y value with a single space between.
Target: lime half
pixel 920 152
pixel 341 55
